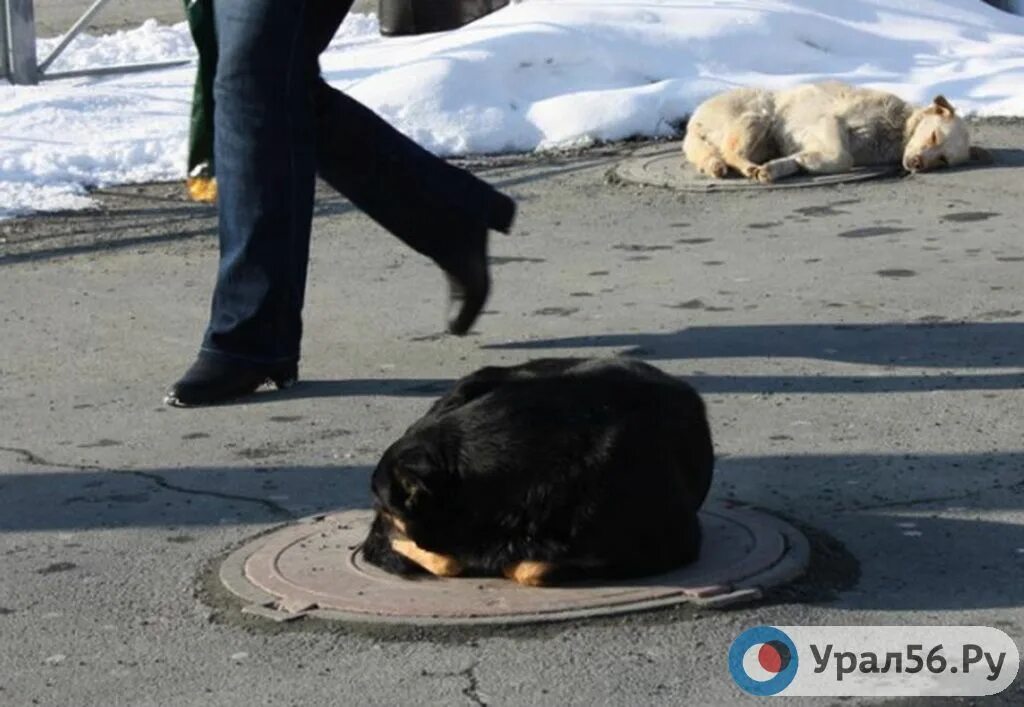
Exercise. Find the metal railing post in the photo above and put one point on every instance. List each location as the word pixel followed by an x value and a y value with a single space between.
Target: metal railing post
pixel 18 60
pixel 21 37
pixel 70 35
pixel 5 60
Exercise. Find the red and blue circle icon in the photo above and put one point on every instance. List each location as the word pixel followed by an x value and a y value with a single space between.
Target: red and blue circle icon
pixel 763 661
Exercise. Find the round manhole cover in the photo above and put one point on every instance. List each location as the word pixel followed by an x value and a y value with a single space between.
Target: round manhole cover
pixel 314 567
pixel 666 167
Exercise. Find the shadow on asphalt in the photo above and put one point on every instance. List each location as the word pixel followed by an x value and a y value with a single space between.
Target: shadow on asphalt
pixel 704 383
pixel 949 564
pixel 384 387
pixel 67 500
pixel 118 229
pixel 892 346
pixel 114 228
pixel 930 531
pixel 767 385
pixel 921 561
pixel 115 242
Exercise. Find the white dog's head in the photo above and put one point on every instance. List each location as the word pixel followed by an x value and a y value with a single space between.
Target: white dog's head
pixel 938 138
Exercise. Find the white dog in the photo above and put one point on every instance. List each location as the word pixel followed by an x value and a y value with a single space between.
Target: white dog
pixel 822 128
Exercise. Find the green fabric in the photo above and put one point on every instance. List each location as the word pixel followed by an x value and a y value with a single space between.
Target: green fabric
pixel 204 34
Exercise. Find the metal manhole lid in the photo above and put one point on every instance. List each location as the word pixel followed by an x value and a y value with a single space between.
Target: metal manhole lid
pixel 313 568
pixel 666 167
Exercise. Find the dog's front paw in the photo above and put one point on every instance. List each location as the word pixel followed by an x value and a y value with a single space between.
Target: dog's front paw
pixel 530 573
pixel 762 174
pixel 438 565
pixel 716 168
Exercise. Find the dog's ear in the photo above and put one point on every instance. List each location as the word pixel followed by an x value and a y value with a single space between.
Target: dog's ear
pixel 418 474
pixel 980 154
pixel 943 106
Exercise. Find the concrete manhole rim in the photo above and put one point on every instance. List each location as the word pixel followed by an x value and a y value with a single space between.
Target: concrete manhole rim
pixel 680 176
pixel 789 563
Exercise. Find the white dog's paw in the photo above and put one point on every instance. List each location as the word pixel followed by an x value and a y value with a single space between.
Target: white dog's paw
pixel 715 167
pixel 762 174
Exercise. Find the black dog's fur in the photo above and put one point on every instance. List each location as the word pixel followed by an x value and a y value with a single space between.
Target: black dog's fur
pixel 596 466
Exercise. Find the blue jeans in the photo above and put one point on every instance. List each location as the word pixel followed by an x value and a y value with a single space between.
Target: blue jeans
pixel 276 125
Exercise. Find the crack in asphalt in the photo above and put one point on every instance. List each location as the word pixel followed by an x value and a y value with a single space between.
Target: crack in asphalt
pixel 965 496
pixel 165 484
pixel 472 688
pixel 914 502
pixel 30 457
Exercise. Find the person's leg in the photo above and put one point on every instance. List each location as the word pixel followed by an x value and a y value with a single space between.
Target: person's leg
pixel 436 208
pixel 265 172
pixel 439 210
pixel 396 182
pixel 200 180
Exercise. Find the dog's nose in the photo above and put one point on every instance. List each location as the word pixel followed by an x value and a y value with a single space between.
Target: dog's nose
pixel 914 164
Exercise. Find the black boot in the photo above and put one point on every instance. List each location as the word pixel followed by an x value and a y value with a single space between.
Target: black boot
pixel 436 208
pixel 469 281
pixel 469 284
pixel 502 212
pixel 212 380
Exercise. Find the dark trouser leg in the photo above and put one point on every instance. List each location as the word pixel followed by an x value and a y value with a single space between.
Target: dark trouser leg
pixel 265 171
pixel 417 196
pixel 437 209
pixel 428 203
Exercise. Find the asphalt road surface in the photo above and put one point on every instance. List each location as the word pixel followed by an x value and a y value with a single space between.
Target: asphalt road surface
pixel 860 348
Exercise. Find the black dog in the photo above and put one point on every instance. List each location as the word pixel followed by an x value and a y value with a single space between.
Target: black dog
pixel 555 469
